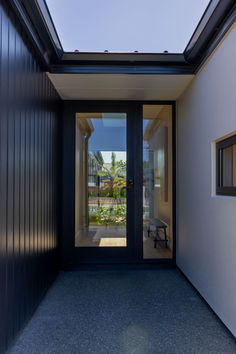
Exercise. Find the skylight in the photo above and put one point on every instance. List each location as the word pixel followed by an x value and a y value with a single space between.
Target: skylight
pixel 146 26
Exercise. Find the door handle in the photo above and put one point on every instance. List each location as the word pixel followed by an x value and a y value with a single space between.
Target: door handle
pixel 130 185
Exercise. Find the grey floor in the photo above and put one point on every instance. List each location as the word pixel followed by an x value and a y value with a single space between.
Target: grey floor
pixel 134 311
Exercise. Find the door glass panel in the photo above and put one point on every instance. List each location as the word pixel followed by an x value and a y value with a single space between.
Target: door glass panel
pixel 100 181
pixel 157 182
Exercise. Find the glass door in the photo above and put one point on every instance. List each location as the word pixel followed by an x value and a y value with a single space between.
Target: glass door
pixel 118 183
pixel 104 185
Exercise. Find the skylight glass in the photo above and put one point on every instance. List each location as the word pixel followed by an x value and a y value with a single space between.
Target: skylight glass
pixel 146 26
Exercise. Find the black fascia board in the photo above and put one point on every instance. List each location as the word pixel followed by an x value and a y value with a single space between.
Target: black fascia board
pixel 137 63
pixel 208 29
pixel 45 16
pixel 28 26
pixel 100 57
pixel 123 69
pixel 225 26
pixel 35 18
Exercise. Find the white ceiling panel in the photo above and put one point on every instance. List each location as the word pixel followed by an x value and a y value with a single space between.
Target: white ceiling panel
pixel 119 87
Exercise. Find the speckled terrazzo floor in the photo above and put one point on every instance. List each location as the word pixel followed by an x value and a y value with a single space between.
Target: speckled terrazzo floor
pixel 134 311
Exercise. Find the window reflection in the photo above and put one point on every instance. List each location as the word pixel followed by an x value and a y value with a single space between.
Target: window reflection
pixel 100 203
pixel 229 166
pixel 157 181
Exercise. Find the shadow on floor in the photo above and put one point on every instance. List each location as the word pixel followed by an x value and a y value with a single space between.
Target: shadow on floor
pixel 133 311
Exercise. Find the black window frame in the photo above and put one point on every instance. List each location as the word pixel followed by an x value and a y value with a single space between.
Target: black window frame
pixel 220 189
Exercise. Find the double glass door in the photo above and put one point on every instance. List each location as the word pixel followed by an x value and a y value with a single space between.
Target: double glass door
pixel 122 184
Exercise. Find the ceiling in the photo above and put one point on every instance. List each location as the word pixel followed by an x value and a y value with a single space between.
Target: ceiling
pixel 119 87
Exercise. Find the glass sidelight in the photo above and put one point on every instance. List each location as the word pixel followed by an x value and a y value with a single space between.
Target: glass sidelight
pixel 100 183
pixel 157 182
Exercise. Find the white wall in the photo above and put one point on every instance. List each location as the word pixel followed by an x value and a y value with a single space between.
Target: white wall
pixel 206 242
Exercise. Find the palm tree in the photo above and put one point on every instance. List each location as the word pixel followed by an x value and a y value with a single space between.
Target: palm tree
pixel 115 174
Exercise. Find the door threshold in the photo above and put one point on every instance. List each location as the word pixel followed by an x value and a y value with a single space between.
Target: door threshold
pixel 125 265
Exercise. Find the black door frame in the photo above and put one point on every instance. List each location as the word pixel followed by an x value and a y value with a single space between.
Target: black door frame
pixel 69 254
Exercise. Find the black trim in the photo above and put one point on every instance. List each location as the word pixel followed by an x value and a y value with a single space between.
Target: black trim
pixel 72 257
pixel 204 21
pixel 46 16
pixel 71 253
pixel 106 69
pixel 121 57
pixel 207 29
pixel 35 18
pixel 120 263
pixel 28 27
pixel 217 19
pixel 221 31
pixel 220 188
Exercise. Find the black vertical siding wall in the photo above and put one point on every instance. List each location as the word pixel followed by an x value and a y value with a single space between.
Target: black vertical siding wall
pixel 28 179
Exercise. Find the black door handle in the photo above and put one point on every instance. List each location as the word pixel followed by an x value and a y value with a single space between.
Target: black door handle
pixel 130 185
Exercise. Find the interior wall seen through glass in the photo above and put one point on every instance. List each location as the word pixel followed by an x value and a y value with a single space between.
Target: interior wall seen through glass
pixel 157 182
pixel 229 166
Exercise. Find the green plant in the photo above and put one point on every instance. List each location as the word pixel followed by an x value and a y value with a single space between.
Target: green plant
pixel 111 216
pixel 115 182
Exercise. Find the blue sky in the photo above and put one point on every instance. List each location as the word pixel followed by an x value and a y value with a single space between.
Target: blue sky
pixel 108 137
pixel 126 25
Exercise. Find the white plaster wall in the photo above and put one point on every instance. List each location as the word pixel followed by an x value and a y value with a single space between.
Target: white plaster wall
pixel 206 241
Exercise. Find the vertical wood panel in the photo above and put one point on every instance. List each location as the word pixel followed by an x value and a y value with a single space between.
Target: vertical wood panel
pixel 28 179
